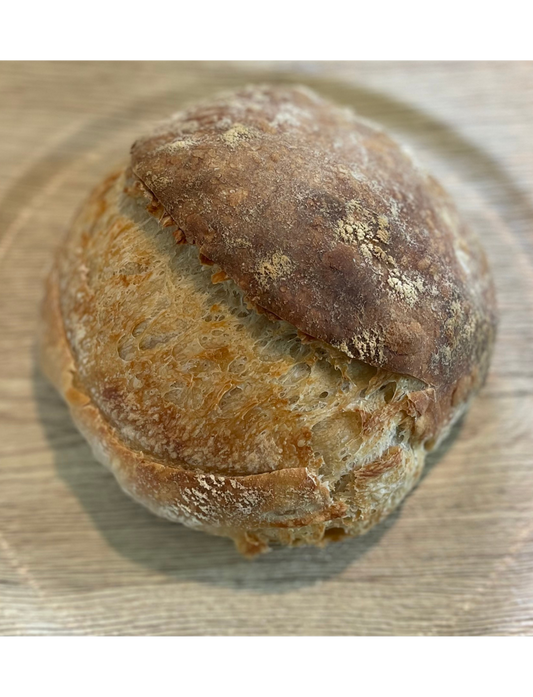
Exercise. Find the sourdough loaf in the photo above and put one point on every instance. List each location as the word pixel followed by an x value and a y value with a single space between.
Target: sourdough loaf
pixel 265 320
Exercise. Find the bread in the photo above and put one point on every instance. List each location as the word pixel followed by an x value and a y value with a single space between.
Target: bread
pixel 266 318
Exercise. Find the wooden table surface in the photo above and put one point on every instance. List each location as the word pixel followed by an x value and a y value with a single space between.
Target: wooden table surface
pixel 79 557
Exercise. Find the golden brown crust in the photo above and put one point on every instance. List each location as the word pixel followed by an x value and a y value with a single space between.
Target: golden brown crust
pixel 325 222
pixel 288 506
pixel 217 504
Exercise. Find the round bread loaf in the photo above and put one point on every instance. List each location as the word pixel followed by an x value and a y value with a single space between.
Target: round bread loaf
pixel 265 320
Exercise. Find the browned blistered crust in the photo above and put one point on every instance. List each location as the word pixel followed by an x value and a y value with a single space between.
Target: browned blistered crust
pixel 280 379
pixel 287 506
pixel 327 223
pixel 286 498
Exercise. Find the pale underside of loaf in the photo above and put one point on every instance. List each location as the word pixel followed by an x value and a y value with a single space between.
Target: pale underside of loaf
pixel 170 365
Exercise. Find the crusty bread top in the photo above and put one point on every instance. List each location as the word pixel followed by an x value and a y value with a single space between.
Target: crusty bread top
pixel 325 222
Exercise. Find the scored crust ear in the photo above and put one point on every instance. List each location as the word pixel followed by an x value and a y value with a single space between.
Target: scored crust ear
pixel 326 222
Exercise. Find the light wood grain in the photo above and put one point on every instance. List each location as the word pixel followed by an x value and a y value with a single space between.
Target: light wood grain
pixel 78 557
